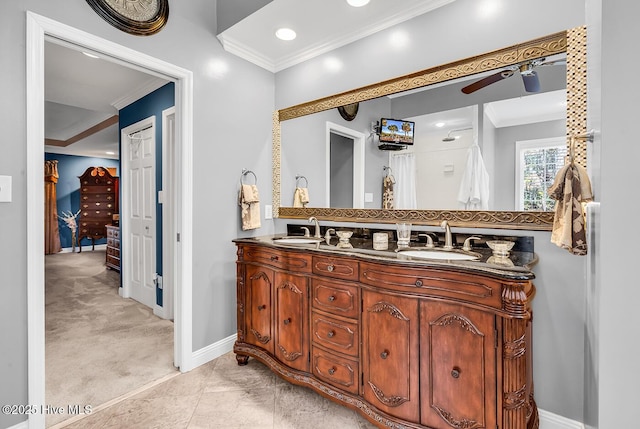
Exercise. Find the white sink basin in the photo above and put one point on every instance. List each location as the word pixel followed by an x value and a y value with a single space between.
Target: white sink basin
pixel 297 240
pixel 438 254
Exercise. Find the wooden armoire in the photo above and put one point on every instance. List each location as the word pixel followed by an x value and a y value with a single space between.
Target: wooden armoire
pixel 99 195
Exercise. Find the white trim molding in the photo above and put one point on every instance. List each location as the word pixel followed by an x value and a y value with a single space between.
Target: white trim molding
pixel 215 350
pixel 38 30
pixel 549 420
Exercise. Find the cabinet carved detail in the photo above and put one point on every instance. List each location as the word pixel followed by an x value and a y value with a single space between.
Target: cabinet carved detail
pixel 291 286
pixel 261 276
pixel 450 319
pixel 392 401
pixel 516 348
pixel 516 399
pixel 459 424
pixel 263 339
pixel 394 311
pixel 289 356
pixel 514 299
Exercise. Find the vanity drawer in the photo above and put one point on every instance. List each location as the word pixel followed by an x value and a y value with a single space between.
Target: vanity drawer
pixel 297 262
pixel 339 335
pixel 338 371
pixel 335 298
pixel 433 282
pixel 335 267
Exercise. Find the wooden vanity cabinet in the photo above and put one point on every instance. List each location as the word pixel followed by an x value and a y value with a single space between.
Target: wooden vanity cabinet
pixel 407 346
pixel 274 311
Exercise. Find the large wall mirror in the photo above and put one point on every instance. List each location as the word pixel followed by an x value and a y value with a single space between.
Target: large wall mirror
pixel 530 95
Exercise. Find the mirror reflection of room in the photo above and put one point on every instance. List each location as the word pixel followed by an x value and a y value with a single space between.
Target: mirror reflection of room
pixel 517 130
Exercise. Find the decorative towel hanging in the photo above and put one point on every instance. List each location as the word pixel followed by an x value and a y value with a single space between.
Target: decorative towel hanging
pixel 571 189
pixel 301 193
pixel 249 202
pixel 387 189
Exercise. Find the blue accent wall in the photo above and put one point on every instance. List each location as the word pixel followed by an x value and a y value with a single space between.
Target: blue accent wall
pixel 70 168
pixel 152 105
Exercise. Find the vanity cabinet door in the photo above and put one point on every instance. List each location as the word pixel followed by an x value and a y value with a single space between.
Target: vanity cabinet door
pixel 258 308
pixel 390 354
pixel 291 320
pixel 458 366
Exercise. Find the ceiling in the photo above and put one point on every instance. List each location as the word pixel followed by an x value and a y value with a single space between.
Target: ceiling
pixel 321 26
pixel 83 92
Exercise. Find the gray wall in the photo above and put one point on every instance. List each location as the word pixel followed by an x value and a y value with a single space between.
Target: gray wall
pixel 449 33
pixel 241 91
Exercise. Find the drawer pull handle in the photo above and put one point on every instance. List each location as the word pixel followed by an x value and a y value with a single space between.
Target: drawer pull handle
pixel 274 258
pixel 287 320
pixel 330 268
pixel 332 371
pixel 332 298
pixel 419 283
pixel 384 354
pixel 262 307
pixel 330 334
pixel 455 372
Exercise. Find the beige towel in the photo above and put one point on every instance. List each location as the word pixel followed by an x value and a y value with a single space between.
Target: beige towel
pixel 387 192
pixel 571 188
pixel 300 197
pixel 249 201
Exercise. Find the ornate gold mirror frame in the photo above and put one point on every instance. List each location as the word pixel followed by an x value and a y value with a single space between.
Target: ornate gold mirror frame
pixel 572 41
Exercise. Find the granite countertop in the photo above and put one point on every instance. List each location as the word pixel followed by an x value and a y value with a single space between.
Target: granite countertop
pixel 517 266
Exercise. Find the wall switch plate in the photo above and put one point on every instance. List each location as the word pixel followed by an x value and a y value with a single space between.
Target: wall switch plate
pixel 268 212
pixel 5 189
pixel 368 197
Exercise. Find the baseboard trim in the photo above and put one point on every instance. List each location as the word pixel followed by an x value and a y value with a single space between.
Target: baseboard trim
pixel 22 425
pixel 549 420
pixel 87 248
pixel 215 350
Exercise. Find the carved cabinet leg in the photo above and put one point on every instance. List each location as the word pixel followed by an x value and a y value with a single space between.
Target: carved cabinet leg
pixel 242 359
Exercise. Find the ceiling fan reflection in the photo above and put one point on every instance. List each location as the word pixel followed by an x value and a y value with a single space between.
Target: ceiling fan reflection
pixel 526 70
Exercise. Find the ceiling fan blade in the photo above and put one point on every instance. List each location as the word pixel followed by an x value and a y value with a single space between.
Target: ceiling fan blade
pixel 479 84
pixel 531 81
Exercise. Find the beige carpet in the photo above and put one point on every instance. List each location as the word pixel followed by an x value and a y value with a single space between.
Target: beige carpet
pixel 99 346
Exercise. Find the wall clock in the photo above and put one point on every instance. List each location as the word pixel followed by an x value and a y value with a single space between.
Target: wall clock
pixel 140 17
pixel 349 111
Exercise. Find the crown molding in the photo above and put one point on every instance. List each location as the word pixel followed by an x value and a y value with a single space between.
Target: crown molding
pixel 275 65
pixel 140 92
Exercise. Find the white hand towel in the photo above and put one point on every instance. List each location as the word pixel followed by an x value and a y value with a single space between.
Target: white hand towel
pixel 300 197
pixel 249 201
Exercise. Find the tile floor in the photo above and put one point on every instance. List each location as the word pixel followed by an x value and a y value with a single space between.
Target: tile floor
pixel 222 394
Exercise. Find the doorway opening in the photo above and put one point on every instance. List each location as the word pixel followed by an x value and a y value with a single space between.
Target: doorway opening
pixel 344 142
pixel 39 30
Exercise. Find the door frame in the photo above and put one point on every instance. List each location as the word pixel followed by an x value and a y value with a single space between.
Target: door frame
pixel 39 29
pixel 358 161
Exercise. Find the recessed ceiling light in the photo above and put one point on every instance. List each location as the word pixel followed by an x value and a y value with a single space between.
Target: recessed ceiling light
pixel 90 55
pixel 285 34
pixel 439 124
pixel 110 153
pixel 357 3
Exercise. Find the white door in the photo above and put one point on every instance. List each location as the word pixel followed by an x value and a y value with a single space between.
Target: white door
pixel 140 233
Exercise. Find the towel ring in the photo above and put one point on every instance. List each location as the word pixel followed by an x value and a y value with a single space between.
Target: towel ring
pixel 388 170
pixel 299 177
pixel 245 172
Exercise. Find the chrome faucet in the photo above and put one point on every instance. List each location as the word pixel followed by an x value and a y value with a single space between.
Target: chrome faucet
pixel 448 245
pixel 317 233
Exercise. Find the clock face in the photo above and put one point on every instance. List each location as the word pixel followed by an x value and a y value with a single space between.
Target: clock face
pixel 140 17
pixel 136 10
